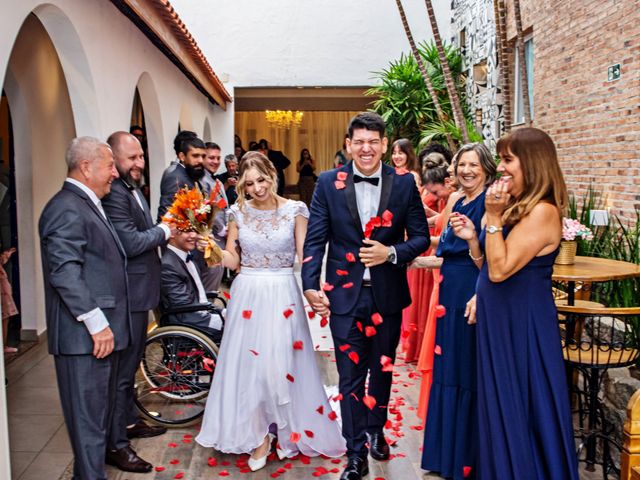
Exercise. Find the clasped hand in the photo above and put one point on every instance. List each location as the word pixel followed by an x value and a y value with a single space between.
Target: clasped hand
pixel 375 254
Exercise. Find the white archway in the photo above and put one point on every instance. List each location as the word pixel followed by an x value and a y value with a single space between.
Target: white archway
pixel 158 156
pixel 75 65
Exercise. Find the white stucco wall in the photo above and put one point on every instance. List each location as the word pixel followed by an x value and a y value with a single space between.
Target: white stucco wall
pixel 103 57
pixel 305 42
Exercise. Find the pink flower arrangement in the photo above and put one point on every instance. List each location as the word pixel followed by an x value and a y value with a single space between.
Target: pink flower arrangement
pixel 573 229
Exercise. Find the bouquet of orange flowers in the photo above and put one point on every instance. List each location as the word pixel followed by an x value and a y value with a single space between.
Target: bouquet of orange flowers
pixel 192 211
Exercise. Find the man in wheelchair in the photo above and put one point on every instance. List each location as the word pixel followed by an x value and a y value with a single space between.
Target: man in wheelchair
pixel 183 297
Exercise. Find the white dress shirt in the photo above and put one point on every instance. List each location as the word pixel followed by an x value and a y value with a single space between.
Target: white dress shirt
pixel 215 321
pixel 368 200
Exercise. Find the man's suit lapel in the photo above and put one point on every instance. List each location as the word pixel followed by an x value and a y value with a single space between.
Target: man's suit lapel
pixel 97 211
pixel 183 267
pixel 387 185
pixel 350 192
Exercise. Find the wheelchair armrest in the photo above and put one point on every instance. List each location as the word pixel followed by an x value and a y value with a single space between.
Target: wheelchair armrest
pixel 193 307
pixel 214 296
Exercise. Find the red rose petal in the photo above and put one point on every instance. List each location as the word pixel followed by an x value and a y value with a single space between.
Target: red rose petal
pixel 175 461
pixel 359 325
pixel 307 259
pixel 324 322
pixel 342 176
pixel 369 401
pixel 246 314
pixel 160 469
pixel 332 415
pixel 298 345
pixel 354 357
pixel 437 350
pixel 308 433
pixel 327 287
pixel 311 314
pixel 369 331
pixel 172 445
pixel 339 184
pixel 212 462
pixel 226 295
pixel 355 397
pixel 347 285
pixel 440 311
pixel 294 437
pixel 466 471
pixel 337 398
pixel 254 352
pixel 320 409
pixel 304 459
pixel 224 473
pixel 350 257
pixel 179 475
pixel 344 347
pixel 287 313
pixel 342 273
pixel 376 318
pixel 290 378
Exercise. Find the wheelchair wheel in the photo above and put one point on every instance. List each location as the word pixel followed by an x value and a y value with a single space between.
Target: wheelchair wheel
pixel 175 375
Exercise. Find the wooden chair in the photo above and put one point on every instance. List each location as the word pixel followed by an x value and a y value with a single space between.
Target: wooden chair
pixel 630 455
pixel 593 341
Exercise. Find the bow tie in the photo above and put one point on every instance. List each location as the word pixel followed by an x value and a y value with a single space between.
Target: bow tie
pixel 189 257
pixel 372 180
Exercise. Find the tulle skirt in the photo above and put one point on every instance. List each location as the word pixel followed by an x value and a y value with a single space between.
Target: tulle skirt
pixel 267 373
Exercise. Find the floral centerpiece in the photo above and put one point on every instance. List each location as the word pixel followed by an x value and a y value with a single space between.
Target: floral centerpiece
pixel 572 230
pixel 192 211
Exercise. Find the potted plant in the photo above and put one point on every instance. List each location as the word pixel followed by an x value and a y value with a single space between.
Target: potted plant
pixel 571 230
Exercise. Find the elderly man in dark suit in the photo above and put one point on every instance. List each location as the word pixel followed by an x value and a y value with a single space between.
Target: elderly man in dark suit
pixel 374 223
pixel 130 215
pixel 87 308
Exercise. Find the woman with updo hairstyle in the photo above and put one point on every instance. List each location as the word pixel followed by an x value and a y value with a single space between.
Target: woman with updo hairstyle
pixel 524 418
pixel 266 343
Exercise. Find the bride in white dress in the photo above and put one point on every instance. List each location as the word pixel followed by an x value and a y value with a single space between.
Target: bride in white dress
pixel 266 380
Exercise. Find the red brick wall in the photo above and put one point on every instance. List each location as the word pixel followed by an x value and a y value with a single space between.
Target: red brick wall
pixel 595 123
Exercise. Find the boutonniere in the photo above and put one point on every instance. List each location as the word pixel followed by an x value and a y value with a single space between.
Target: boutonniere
pixel 339 183
pixel 375 222
pixel 401 171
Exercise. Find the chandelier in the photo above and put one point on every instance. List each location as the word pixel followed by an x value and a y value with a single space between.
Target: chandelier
pixel 284 118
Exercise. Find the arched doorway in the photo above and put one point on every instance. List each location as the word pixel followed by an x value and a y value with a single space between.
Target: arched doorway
pixel 39 106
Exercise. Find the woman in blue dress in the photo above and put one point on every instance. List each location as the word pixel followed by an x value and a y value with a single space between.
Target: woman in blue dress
pixel 450 433
pixel 524 420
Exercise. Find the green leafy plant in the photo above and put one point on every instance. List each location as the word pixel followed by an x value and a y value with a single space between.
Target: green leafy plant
pixel 403 101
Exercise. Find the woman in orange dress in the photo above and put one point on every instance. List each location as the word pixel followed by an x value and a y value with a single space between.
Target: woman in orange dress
pixel 414 317
pixel 440 183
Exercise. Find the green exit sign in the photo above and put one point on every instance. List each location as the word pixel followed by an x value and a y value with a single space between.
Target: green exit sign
pixel 614 72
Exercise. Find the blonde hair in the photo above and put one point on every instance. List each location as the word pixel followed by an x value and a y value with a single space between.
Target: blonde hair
pixel 541 173
pixel 264 166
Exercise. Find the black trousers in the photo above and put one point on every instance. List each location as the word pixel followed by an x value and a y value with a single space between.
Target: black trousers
pixel 87 393
pixel 125 411
pixel 357 417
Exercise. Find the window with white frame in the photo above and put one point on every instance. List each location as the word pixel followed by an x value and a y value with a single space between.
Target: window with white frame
pixel 518 112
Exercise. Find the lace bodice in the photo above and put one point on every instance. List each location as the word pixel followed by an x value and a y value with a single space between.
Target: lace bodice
pixel 266 237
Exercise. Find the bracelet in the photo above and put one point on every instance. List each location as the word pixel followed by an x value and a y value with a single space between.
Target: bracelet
pixel 476 259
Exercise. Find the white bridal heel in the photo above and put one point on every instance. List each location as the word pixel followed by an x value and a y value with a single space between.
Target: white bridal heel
pixel 258 463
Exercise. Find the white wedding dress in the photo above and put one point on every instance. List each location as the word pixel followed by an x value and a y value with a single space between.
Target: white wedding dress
pixel 266 372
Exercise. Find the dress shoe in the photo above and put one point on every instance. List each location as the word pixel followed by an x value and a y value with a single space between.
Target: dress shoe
pixel 378 446
pixel 357 467
pixel 142 430
pixel 258 463
pixel 127 460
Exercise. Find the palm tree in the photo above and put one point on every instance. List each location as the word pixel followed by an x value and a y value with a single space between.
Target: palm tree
pixel 502 50
pixel 456 107
pixel 432 92
pixel 522 64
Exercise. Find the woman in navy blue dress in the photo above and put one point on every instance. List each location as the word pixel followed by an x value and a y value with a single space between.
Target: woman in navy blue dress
pixel 524 420
pixel 450 433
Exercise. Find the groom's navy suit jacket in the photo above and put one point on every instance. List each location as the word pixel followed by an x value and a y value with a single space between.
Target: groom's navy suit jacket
pixel 334 219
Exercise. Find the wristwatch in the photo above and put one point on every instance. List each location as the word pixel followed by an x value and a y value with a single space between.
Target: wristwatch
pixel 493 229
pixel 391 256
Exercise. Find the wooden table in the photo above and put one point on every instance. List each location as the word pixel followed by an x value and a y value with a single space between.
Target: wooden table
pixel 593 269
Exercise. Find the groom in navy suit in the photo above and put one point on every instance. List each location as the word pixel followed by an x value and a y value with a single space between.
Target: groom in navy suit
pixel 375 224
